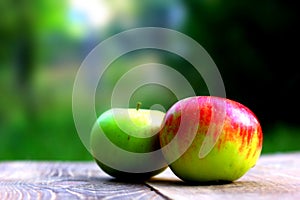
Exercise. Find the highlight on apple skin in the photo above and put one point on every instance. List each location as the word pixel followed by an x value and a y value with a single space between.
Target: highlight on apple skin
pixel 119 132
pixel 206 138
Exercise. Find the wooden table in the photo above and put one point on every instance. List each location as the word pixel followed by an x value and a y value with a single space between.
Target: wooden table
pixel 274 177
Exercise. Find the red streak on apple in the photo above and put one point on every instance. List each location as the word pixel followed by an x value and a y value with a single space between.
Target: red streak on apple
pixel 241 120
pixel 238 126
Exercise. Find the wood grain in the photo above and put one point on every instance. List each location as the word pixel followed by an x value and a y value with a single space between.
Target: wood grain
pixel 274 177
pixel 65 180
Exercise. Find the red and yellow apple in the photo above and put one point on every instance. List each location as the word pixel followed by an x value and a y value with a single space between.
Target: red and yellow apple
pixel 206 138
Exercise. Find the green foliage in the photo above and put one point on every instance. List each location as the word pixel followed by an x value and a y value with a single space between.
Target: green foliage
pixel 44 128
pixel 251 43
pixel 282 137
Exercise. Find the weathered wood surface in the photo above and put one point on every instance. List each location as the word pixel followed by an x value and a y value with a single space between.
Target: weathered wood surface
pixel 274 177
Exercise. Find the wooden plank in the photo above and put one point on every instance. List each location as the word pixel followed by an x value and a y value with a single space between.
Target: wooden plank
pixel 274 177
pixel 65 180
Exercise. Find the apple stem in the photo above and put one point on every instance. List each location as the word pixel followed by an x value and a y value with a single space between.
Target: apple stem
pixel 138 105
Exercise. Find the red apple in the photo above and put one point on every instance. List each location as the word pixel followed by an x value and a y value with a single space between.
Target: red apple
pixel 207 138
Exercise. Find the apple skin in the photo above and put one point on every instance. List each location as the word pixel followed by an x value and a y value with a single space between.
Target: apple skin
pixel 236 150
pixel 131 130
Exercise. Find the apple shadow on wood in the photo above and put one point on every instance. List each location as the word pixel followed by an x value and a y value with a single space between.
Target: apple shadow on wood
pixel 234 186
pixel 178 182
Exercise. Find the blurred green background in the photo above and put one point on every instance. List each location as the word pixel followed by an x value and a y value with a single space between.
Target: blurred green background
pixel 253 43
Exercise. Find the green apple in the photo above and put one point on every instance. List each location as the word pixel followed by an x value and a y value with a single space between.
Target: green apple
pixel 207 138
pixel 125 143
